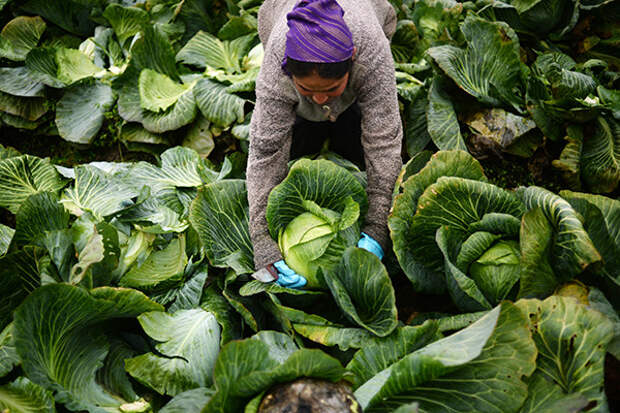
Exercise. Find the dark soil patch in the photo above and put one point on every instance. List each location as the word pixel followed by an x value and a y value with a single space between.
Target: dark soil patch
pixel 511 172
pixel 66 153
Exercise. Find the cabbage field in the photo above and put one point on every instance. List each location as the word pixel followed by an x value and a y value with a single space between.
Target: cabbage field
pixel 125 255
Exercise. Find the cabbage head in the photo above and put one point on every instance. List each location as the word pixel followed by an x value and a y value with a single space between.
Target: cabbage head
pixel 496 270
pixel 314 214
pixel 455 232
pixel 318 238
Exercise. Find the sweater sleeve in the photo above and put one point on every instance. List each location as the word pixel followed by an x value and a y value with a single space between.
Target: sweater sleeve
pixel 270 142
pixel 382 137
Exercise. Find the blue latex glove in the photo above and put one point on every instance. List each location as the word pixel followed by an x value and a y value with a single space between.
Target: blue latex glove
pixel 369 244
pixel 287 277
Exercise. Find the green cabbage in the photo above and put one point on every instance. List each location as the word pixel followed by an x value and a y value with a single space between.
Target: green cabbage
pixel 316 239
pixel 498 264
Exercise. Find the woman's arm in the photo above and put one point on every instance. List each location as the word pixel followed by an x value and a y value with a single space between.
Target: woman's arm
pixel 382 137
pixel 270 141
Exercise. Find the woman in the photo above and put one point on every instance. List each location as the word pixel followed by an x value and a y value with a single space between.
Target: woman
pixel 328 72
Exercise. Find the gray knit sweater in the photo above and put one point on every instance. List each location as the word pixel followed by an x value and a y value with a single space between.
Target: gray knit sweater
pixel 371 83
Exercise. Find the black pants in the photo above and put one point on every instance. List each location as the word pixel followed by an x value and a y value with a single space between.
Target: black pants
pixel 344 136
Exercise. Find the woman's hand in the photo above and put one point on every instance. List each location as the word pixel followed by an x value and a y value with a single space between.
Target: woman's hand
pixel 287 277
pixel 369 244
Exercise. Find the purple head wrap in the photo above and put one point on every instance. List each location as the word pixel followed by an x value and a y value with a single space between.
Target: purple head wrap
pixel 318 33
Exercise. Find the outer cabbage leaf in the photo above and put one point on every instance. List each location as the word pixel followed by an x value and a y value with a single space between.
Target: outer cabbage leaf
pixel 81 111
pixel 8 352
pixel 412 167
pixel 218 104
pixel 572 251
pixel 22 176
pixel 238 359
pixel 59 67
pixel 126 21
pixel 71 15
pixel 199 137
pixel 545 396
pixel 160 269
pixel 489 68
pixel 187 296
pixel 205 50
pixel 158 92
pixel 189 342
pixel 437 20
pixel 442 124
pixel 19 36
pixel 281 346
pixel 416 129
pixel 6 235
pixel 20 275
pixel 571 341
pixel 8 152
pixel 134 133
pixel 363 290
pixel 570 158
pixel 256 287
pixel 113 375
pixel 189 401
pixel 378 354
pixel 98 192
pixel 17 81
pixel 567 85
pixel 105 51
pixel 180 168
pixel 220 215
pixel 60 343
pixel 198 15
pixel 18 122
pixel 408 408
pixel 94 252
pixel 214 302
pixel 404 41
pixel 162 219
pixel 478 369
pixel 181 113
pixel 601 156
pixel 597 301
pixel 335 335
pixel 442 163
pixel 153 50
pixel 24 396
pixel 611 100
pixel 38 214
pixel 602 223
pixel 237 26
pixel 548 18
pixel 538 278
pixel 27 108
pixel 319 329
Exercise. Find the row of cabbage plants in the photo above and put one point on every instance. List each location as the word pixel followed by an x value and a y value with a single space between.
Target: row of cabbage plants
pixel 126 287
pixel 509 78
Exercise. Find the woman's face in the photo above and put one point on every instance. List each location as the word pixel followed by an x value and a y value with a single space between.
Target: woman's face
pixel 321 90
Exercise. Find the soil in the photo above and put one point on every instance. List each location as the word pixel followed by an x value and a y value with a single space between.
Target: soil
pixel 66 153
